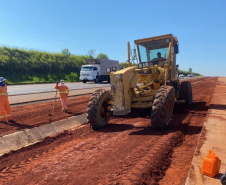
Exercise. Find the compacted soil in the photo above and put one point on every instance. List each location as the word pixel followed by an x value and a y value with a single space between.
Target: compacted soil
pixel 37 114
pixel 126 151
pixel 33 115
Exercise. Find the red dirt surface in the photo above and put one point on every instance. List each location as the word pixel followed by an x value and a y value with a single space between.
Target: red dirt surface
pixel 126 151
pixel 182 156
pixel 33 115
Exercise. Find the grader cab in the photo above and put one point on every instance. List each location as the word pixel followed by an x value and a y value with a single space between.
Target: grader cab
pixel 152 83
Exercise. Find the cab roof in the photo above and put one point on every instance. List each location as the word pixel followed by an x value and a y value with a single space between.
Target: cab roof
pixel 157 38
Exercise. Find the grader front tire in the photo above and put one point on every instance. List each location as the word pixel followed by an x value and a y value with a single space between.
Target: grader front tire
pixel 162 107
pixel 98 114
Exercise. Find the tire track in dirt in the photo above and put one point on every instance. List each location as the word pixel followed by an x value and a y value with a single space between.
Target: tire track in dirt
pixel 184 131
pixel 106 146
pixel 130 165
pixel 154 159
pixel 182 157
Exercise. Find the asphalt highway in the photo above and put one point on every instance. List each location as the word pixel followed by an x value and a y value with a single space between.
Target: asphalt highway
pixel 43 88
pixel 14 90
pixel 19 94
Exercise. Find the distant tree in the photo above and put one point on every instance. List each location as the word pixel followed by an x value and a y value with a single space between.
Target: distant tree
pixel 91 53
pixel 65 52
pixel 190 70
pixel 122 65
pixel 102 55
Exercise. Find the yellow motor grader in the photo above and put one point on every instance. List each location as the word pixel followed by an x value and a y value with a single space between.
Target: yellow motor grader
pixel 151 83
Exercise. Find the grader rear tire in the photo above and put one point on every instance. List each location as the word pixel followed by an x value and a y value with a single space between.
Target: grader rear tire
pixel 97 113
pixel 186 93
pixel 162 107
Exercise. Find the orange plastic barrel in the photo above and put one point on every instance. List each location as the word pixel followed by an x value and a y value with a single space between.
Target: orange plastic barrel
pixel 211 164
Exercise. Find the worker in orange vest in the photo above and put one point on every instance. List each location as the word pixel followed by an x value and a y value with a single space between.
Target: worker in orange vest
pixel 4 103
pixel 63 91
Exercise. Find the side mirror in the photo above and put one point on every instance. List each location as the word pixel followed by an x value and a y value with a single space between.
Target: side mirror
pixel 177 65
pixel 134 53
pixel 176 48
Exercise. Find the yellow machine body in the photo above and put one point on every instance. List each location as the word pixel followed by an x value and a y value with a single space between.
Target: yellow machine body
pixel 151 83
pixel 136 86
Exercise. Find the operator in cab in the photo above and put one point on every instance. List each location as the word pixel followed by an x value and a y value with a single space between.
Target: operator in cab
pixel 160 61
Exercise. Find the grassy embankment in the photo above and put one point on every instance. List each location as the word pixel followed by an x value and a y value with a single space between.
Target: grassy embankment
pixel 20 66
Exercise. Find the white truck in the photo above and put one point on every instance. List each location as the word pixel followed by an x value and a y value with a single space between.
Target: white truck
pixel 95 70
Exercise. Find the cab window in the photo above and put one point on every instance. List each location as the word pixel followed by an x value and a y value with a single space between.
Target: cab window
pixel 148 50
pixel 87 69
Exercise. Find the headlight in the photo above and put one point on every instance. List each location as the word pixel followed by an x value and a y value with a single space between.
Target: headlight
pixel 108 69
pixel 146 64
pixel 114 68
pixel 140 66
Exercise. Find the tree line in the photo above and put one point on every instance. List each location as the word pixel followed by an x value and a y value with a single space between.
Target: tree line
pixel 22 66
pixel 190 71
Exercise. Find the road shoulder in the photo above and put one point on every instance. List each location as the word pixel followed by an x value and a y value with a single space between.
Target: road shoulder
pixel 214 138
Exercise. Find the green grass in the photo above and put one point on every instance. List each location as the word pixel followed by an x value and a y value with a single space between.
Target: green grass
pixel 27 79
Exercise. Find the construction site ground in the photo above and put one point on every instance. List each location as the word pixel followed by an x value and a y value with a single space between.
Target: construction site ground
pixel 126 151
pixel 211 138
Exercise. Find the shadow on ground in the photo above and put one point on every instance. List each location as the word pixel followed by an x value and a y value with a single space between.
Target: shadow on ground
pixel 19 126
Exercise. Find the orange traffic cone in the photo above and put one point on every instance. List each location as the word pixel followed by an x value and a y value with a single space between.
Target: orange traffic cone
pixel 211 164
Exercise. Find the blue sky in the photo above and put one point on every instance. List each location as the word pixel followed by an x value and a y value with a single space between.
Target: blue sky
pixel 107 26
